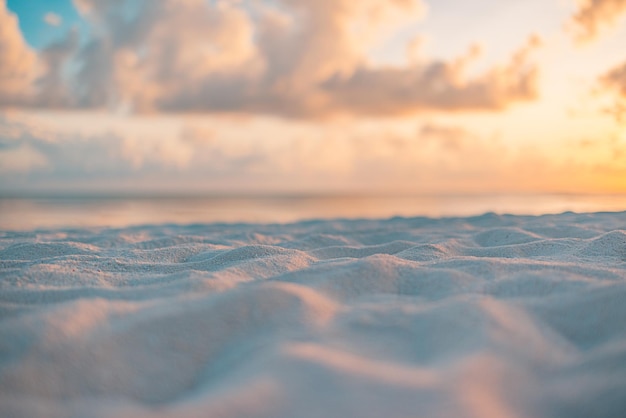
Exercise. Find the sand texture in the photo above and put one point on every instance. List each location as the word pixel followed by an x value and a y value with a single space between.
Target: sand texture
pixel 490 316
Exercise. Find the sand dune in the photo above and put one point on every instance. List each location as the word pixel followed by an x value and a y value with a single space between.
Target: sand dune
pixel 490 316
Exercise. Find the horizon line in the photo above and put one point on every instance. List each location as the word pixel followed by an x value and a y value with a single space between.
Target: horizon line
pixel 288 194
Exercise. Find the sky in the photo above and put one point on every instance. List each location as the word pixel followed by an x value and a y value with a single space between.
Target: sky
pixel 312 96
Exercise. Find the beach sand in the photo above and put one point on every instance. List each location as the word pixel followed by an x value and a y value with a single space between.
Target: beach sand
pixel 490 316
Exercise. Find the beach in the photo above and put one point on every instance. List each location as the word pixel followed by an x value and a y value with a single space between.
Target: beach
pixel 497 316
pixel 312 209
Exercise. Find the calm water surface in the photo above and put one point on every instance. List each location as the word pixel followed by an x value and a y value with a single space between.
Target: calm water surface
pixel 43 213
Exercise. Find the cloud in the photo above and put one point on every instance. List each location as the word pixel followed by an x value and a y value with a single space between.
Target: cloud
pixel 28 78
pixel 198 134
pixel 614 82
pixel 439 156
pixel 438 86
pixel 20 159
pixel 52 19
pixel 616 79
pixel 45 152
pixel 592 16
pixel 53 87
pixel 450 136
pixel 288 58
pixel 18 63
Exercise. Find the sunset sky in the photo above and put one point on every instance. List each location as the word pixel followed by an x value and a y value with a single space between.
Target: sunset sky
pixel 284 96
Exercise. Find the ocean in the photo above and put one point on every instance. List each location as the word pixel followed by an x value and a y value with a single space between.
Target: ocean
pixel 28 213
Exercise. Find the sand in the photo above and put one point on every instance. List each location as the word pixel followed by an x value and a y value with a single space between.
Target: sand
pixel 489 316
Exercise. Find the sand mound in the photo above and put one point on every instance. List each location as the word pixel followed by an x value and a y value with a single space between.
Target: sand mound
pixel 490 316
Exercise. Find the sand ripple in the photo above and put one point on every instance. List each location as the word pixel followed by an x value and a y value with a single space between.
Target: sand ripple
pixel 491 316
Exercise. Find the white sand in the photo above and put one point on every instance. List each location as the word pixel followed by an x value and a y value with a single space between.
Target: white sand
pixel 491 316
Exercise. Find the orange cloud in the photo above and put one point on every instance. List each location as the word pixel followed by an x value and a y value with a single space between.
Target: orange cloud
pixel 440 157
pixel 450 137
pixel 614 81
pixel 592 15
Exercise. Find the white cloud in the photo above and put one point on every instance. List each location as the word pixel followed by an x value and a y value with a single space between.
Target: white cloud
pixel 52 19
pixel 290 58
pixel 18 63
